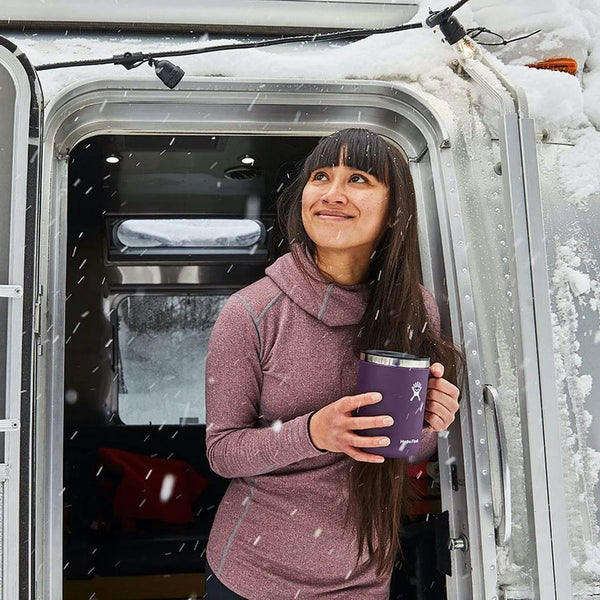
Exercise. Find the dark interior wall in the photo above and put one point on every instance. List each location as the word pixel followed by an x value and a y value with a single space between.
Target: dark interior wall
pixel 160 176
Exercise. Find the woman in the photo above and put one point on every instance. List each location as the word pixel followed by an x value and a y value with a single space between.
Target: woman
pixel 281 369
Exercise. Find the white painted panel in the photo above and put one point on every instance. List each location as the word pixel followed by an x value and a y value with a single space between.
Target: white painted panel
pixel 243 13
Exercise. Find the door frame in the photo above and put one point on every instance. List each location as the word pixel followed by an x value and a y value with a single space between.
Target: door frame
pixel 280 108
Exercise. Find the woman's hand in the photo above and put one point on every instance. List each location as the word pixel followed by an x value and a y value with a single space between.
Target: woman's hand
pixel 331 428
pixel 442 400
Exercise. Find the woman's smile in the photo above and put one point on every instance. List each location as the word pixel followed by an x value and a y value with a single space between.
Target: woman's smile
pixel 334 218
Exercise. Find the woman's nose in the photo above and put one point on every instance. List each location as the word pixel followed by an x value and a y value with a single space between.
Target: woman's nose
pixel 335 192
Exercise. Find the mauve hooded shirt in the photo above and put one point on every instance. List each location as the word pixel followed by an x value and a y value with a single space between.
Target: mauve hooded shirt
pixel 281 349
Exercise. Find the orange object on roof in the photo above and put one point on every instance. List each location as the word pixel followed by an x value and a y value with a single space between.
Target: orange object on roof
pixel 566 65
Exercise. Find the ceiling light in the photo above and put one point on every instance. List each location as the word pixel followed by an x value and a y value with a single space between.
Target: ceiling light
pixel 113 159
pixel 247 160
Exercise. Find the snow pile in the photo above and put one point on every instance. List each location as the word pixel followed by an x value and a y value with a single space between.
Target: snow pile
pixel 581 462
pixel 412 56
pixel 580 167
pixel 569 29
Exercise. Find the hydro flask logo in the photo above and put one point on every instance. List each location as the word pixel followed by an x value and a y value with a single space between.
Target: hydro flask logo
pixel 416 389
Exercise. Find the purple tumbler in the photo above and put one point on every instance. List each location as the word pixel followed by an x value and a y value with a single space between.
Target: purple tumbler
pixel 401 379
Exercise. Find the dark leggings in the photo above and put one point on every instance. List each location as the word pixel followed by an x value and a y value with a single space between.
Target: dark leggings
pixel 215 590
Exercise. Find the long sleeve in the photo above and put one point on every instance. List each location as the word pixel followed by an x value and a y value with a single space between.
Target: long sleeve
pixel 428 437
pixel 235 444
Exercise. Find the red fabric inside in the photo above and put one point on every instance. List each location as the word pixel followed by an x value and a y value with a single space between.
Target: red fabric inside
pixel 418 470
pixel 138 495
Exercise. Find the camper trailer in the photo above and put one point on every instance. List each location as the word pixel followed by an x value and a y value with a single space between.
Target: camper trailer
pixel 132 210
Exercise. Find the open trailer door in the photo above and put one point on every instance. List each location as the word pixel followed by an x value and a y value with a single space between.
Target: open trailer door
pixel 20 107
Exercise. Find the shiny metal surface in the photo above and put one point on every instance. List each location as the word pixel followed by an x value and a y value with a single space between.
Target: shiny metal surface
pixel 535 374
pixel 20 135
pixel 395 359
pixel 504 523
pixel 533 421
pixel 459 543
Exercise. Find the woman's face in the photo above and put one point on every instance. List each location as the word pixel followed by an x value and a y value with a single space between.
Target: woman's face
pixel 346 191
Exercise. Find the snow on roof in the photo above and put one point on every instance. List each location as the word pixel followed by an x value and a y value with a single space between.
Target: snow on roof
pixel 417 56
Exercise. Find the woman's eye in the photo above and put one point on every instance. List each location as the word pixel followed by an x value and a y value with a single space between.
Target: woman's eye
pixel 320 176
pixel 357 178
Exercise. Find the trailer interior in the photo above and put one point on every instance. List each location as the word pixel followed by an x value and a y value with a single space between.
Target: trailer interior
pixel 141 298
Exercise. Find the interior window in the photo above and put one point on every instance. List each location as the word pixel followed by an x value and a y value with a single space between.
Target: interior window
pixel 161 349
pixel 144 234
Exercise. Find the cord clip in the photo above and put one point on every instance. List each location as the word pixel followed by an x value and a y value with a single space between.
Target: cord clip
pixel 129 60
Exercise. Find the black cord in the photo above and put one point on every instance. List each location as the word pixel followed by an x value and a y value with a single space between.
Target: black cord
pixel 442 18
pixel 474 32
pixel 130 61
pixel 458 5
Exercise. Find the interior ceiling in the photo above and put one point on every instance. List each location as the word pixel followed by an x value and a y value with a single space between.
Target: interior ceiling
pixel 184 174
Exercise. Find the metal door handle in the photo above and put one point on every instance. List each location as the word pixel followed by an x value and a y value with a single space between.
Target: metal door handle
pixel 502 522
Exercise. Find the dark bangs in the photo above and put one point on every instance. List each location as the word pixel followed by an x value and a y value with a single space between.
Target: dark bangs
pixel 359 148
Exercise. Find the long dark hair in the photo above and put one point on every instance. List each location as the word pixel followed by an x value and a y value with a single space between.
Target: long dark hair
pixel 395 318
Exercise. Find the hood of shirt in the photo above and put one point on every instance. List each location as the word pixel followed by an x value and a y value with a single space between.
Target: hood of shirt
pixel 327 301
